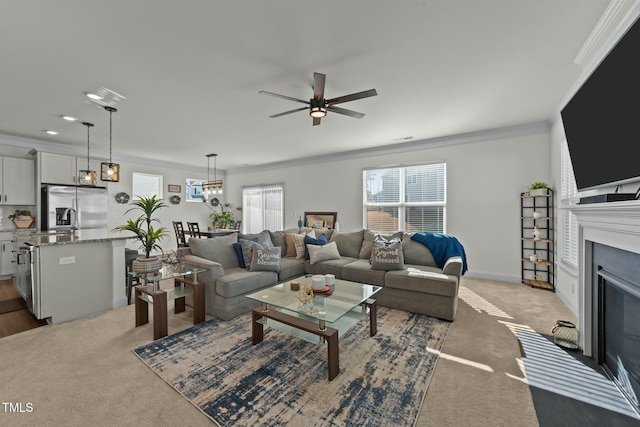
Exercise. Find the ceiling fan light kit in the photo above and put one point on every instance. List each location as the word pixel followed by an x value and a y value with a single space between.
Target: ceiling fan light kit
pixel 319 106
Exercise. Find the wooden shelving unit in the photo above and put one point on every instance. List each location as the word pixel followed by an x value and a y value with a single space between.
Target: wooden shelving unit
pixel 537 237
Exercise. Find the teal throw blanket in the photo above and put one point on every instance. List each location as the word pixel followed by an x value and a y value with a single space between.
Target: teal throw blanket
pixel 442 247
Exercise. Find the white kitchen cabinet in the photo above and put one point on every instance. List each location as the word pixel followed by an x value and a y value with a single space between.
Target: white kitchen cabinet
pixel 17 181
pixel 57 169
pixel 6 254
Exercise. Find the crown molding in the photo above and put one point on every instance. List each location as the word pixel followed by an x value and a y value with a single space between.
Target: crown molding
pixel 467 138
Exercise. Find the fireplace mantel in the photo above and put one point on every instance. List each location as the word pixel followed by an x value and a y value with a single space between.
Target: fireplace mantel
pixel 615 224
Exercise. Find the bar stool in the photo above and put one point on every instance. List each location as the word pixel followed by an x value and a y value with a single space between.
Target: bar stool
pixel 129 256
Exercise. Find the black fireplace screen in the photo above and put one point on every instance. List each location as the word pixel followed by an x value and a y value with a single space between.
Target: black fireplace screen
pixel 619 337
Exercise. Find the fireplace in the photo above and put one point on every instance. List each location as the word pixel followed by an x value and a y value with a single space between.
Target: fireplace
pixel 617 317
pixel 609 290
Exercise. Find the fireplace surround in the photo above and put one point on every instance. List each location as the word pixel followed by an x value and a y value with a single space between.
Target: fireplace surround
pixel 609 286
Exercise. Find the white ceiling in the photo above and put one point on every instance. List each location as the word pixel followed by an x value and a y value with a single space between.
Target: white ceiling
pixel 191 71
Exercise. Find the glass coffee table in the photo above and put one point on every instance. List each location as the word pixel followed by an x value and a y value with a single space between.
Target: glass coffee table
pixel 186 283
pixel 340 308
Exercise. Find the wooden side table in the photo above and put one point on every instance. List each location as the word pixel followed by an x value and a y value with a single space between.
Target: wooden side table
pixel 145 295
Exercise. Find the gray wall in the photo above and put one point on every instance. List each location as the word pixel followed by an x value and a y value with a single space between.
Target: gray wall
pixel 484 182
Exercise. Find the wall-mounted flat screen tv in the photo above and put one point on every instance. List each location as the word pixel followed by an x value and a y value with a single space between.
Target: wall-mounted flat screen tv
pixel 602 120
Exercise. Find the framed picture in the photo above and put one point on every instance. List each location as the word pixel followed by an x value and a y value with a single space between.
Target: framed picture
pixel 320 219
pixel 174 188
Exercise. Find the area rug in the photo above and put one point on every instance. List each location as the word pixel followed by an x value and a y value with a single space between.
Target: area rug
pixel 283 380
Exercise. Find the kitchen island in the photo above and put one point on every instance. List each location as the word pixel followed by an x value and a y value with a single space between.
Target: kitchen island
pixel 72 274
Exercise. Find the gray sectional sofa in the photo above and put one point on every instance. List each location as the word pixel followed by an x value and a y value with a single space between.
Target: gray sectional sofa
pixel 420 287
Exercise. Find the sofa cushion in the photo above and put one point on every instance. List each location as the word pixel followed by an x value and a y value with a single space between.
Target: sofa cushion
pixel 331 266
pixel 278 240
pixel 387 255
pixel 415 252
pixel 368 238
pixel 265 259
pixel 237 246
pixel 239 281
pixel 419 278
pixel 325 252
pixel 217 249
pixel 349 243
pixel 360 271
pixel 308 240
pixel 290 267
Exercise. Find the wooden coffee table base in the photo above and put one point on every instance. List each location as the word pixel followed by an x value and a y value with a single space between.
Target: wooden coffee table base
pixel 328 334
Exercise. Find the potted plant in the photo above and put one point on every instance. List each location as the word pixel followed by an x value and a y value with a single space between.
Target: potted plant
pixel 538 189
pixel 22 218
pixel 224 219
pixel 144 231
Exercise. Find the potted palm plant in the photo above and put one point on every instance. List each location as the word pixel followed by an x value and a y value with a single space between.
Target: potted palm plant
pixel 144 231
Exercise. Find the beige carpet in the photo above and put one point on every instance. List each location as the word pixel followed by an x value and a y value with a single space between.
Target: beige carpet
pixel 83 373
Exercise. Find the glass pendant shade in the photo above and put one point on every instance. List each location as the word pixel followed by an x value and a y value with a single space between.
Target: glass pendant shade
pixel 87 177
pixel 110 171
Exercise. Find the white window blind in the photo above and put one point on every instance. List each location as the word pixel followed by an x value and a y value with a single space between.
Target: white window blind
pixel 568 196
pixel 262 208
pixel 409 198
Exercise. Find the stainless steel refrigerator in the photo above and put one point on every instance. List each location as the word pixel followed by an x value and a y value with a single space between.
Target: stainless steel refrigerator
pixel 66 207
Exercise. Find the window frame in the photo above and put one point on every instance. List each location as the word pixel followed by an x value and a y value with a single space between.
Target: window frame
pixel 402 204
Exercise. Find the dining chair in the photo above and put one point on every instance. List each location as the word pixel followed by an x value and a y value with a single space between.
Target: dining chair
pixel 237 225
pixel 180 237
pixel 194 230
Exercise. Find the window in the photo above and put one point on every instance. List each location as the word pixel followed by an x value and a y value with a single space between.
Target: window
pixel 409 198
pixel 193 188
pixel 146 185
pixel 263 208
pixel 568 196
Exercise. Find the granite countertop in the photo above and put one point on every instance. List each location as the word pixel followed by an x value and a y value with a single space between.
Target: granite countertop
pixel 44 238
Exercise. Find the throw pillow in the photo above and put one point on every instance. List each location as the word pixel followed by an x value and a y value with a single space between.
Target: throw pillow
pixel 237 246
pixel 247 250
pixel 298 242
pixel 387 255
pixel 278 240
pixel 264 238
pixel 319 253
pixel 369 237
pixel 313 241
pixel 291 244
pixel 265 259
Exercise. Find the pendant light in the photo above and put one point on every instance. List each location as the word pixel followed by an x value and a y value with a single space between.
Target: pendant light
pixel 110 171
pixel 211 188
pixel 87 177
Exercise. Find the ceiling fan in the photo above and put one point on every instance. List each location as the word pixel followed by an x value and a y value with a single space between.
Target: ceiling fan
pixel 318 106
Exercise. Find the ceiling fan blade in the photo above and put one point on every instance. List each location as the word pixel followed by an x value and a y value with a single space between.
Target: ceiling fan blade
pixel 318 86
pixel 284 97
pixel 352 97
pixel 316 121
pixel 289 112
pixel 346 112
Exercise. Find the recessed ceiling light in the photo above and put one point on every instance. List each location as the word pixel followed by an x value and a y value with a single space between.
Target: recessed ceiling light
pixel 403 138
pixel 94 96
pixel 69 118
pixel 51 132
